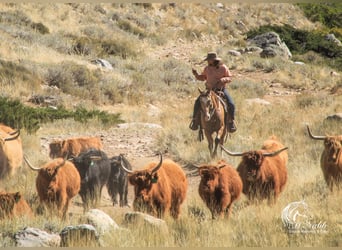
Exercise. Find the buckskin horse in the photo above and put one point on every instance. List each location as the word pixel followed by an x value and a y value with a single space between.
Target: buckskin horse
pixel 212 119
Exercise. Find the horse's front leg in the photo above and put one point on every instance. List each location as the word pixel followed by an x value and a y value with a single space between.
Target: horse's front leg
pixel 219 139
pixel 210 142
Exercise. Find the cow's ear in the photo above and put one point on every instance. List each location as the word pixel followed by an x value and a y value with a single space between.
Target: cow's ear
pixel 132 179
pixel 17 197
pixel 154 178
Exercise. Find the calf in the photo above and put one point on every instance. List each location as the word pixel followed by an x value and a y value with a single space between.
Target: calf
pixel 13 205
pixel 263 173
pixel 159 188
pixel 57 182
pixel 219 187
pixel 94 168
pixel 72 147
pixel 118 182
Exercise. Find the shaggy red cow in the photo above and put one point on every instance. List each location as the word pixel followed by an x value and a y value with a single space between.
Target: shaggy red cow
pixel 13 205
pixel 58 181
pixel 11 151
pixel 72 147
pixel 262 173
pixel 159 188
pixel 331 159
pixel 219 187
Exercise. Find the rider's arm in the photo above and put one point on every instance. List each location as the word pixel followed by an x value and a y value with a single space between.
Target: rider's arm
pixel 200 77
pixel 226 78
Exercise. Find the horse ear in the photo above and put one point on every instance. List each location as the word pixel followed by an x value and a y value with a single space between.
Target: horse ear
pixel 201 91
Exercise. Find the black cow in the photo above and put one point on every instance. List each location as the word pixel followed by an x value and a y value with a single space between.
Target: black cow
pixel 95 170
pixel 118 182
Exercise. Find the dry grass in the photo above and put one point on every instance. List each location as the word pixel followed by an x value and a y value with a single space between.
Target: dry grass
pixel 161 75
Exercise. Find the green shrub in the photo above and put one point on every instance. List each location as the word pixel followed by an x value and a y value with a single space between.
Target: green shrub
pixel 328 14
pixel 75 79
pixel 121 47
pixel 131 28
pixel 41 28
pixel 15 114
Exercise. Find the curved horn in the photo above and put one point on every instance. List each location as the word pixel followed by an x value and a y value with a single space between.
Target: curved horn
pixel 30 165
pixel 315 136
pixel 16 135
pixel 122 163
pixel 196 166
pixel 231 153
pixel 274 153
pixel 159 164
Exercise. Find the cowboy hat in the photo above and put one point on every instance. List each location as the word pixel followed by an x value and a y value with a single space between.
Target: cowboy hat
pixel 212 56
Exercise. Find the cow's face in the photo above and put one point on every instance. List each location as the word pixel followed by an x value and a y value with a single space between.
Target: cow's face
pixel 55 149
pixel 209 178
pixel 333 146
pixel 7 203
pixel 253 161
pixel 143 182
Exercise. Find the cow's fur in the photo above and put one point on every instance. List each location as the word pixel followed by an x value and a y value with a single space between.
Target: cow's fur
pixel 94 168
pixel 118 182
pixel 263 177
pixel 271 145
pixel 11 151
pixel 331 161
pixel 165 195
pixel 13 205
pixel 56 186
pixel 219 187
pixel 72 147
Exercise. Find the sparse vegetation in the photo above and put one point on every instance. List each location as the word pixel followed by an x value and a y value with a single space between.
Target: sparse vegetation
pixel 47 49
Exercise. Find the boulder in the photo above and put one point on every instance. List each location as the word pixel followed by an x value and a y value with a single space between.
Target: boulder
pixel 103 63
pixel 333 39
pixel 34 237
pixel 271 45
pixel 100 220
pixel 138 218
pixel 83 235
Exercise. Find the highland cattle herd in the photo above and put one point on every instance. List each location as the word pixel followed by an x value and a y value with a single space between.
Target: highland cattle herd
pixel 79 166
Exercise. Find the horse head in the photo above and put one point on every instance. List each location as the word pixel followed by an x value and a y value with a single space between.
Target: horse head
pixel 207 102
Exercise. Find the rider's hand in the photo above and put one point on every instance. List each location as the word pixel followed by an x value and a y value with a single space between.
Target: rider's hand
pixel 194 72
